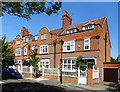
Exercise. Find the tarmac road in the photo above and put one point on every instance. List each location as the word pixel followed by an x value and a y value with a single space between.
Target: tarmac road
pixel 25 85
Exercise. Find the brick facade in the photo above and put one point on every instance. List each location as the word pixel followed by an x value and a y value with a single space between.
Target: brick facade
pixel 97 42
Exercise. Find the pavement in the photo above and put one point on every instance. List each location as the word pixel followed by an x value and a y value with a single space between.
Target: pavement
pixel 103 86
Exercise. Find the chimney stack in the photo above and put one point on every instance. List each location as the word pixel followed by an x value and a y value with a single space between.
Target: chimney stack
pixel 24 31
pixel 66 19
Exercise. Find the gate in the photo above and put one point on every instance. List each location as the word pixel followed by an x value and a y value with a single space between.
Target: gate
pixel 82 76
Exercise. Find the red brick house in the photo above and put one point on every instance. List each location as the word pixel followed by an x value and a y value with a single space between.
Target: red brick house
pixel 88 39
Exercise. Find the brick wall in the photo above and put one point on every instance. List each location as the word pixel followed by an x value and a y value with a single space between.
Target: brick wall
pixel 97 46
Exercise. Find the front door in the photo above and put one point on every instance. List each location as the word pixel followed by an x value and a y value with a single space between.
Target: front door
pixel 82 76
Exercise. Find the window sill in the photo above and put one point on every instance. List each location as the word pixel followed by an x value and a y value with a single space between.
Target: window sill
pixel 44 54
pixel 17 56
pixel 24 55
pixel 69 52
pixel 86 50
pixel 43 39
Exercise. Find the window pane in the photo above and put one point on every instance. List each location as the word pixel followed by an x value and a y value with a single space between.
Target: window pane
pixel 65 66
pixel 65 61
pixel 86 47
pixel 73 61
pixel 69 61
pixel 68 47
pixel 69 67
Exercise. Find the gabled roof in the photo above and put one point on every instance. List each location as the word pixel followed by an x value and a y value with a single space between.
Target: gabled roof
pixel 80 25
pixel 11 41
pixel 57 31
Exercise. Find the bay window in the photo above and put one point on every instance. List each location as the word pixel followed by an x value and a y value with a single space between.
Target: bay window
pixel 44 63
pixel 68 65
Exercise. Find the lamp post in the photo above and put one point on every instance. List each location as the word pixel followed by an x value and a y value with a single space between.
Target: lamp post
pixel 61 42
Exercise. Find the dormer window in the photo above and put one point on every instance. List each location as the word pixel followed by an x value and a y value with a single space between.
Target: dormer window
pixel 18 42
pixel 36 37
pixel 71 31
pixel 23 39
pixel 27 39
pixel 88 27
pixel 9 44
pixel 32 38
pixel 43 36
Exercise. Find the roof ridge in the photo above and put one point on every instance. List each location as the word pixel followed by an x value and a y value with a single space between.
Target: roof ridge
pixel 56 29
pixel 90 20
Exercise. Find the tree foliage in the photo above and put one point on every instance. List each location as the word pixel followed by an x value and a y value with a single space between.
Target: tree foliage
pixel 7 53
pixel 113 60
pixel 34 60
pixel 26 9
pixel 117 59
pixel 80 63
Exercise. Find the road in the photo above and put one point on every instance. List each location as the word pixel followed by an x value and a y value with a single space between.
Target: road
pixel 25 85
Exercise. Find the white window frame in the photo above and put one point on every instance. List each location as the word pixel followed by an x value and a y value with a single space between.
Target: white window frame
pixel 71 43
pixel 36 37
pixel 44 63
pixel 87 44
pixel 70 64
pixel 33 47
pixel 42 47
pixel 18 42
pixel 71 30
pixel 43 36
pixel 88 27
pixel 16 53
pixel 25 52
pixel 23 39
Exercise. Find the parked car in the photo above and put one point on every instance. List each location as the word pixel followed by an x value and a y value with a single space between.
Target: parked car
pixel 10 73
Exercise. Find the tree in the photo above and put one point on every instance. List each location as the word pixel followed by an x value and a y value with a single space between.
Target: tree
pixel 34 60
pixel 26 9
pixel 113 60
pixel 117 59
pixel 80 63
pixel 7 53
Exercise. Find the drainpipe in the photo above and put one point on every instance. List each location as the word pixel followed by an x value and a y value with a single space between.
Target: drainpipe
pixel 105 44
pixel 54 43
